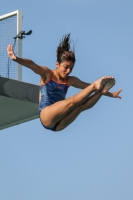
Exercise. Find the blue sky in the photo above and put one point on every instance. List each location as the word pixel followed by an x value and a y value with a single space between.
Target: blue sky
pixel 93 157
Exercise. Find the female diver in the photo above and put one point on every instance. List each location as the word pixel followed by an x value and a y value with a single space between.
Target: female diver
pixel 55 111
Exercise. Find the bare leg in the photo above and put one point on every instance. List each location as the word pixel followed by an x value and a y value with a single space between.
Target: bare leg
pixel 54 113
pixel 72 115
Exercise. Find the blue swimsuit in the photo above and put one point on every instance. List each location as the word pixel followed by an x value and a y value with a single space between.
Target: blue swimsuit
pixel 52 92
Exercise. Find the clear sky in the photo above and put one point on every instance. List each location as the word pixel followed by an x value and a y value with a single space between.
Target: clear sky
pixel 92 158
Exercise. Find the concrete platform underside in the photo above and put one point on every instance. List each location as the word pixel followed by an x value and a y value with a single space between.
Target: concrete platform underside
pixel 18 102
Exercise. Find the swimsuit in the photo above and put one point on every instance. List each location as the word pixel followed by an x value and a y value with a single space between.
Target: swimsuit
pixel 52 92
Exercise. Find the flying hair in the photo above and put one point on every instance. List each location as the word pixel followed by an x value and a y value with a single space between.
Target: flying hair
pixel 64 51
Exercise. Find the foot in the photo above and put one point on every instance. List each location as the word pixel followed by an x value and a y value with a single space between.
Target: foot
pixel 108 86
pixel 99 84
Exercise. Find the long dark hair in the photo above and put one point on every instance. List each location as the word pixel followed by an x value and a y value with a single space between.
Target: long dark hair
pixel 64 52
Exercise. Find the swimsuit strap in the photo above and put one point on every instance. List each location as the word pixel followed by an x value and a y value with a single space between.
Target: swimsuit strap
pixel 52 74
pixel 67 81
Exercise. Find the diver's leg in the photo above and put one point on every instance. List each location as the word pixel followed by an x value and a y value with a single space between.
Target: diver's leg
pixel 54 113
pixel 72 115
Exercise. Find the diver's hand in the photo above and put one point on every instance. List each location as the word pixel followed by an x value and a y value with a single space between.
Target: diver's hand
pixel 116 94
pixel 10 52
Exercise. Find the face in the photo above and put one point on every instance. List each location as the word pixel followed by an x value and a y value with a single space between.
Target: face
pixel 64 68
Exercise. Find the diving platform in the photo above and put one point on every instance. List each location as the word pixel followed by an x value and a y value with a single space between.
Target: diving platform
pixel 18 102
